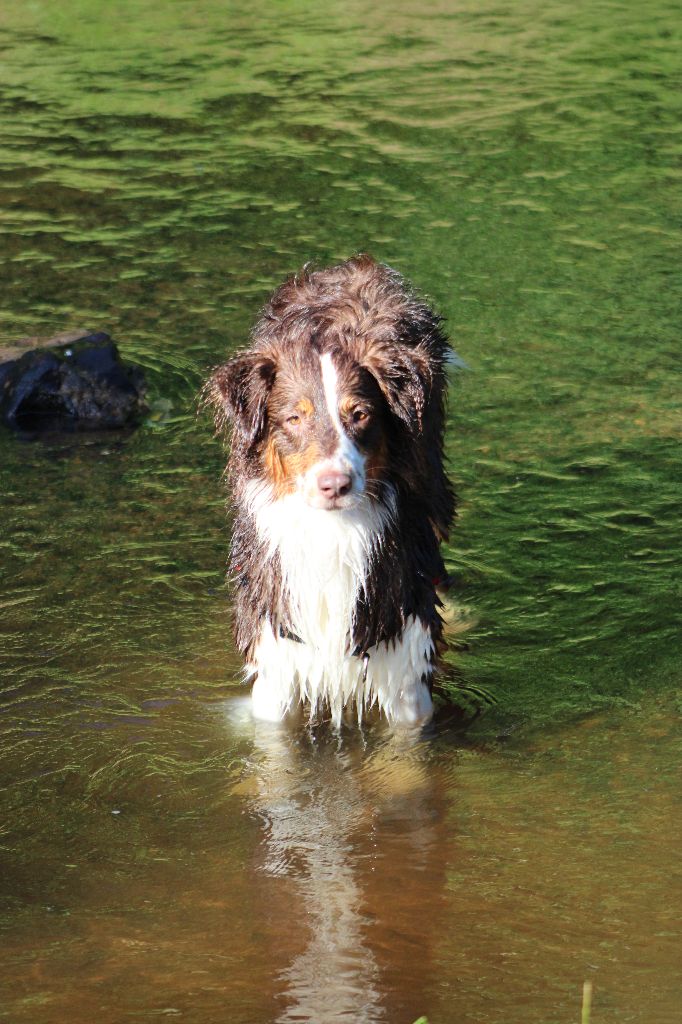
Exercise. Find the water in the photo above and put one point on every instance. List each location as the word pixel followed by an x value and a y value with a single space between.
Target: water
pixel 161 170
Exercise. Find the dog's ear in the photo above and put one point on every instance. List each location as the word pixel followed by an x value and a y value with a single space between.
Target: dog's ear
pixel 238 392
pixel 404 375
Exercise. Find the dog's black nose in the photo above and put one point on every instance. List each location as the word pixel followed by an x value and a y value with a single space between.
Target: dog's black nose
pixel 334 485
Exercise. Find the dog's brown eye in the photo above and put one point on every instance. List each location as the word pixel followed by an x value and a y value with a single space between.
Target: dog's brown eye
pixel 294 420
pixel 360 416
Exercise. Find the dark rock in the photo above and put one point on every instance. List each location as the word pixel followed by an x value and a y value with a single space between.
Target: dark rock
pixel 72 382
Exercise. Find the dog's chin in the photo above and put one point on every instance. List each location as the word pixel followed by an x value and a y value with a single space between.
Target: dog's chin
pixel 341 504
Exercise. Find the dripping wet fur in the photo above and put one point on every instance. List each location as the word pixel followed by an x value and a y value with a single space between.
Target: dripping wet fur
pixel 335 414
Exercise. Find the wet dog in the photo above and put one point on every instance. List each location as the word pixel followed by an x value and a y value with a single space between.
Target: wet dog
pixel 340 496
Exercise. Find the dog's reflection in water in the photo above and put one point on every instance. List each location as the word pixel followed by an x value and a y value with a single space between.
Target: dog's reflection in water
pixel 349 822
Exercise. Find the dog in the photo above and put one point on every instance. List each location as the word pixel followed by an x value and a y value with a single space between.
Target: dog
pixel 340 495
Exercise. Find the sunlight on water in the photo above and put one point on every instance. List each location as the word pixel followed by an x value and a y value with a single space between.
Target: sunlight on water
pixel 162 168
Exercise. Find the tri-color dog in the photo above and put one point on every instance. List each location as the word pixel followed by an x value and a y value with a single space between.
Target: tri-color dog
pixel 340 495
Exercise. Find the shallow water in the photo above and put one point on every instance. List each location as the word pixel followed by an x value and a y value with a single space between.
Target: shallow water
pixel 213 870
pixel 160 171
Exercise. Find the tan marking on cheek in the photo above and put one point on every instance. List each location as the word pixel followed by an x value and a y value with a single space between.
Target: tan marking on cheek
pixel 299 463
pixel 284 470
pixel 274 466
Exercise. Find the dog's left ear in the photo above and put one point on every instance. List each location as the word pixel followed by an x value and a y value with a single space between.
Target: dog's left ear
pixel 238 392
pixel 404 375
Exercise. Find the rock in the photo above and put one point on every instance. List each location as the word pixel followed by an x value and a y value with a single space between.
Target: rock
pixel 74 381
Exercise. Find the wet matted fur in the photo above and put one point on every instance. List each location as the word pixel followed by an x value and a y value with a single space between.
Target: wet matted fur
pixel 340 495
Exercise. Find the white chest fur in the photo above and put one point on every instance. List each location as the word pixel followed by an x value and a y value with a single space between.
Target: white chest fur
pixel 324 558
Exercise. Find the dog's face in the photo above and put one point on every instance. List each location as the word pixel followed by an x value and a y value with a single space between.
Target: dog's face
pixel 326 430
pixel 318 419
pixel 333 397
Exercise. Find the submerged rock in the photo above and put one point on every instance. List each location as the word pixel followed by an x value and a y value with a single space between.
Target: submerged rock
pixel 71 382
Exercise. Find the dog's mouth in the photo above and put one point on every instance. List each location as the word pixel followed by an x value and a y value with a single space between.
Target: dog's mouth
pixel 333 504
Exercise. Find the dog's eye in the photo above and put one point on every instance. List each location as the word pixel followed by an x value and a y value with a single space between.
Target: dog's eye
pixel 360 416
pixel 294 420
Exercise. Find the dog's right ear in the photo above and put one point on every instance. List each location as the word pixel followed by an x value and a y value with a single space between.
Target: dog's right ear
pixel 238 392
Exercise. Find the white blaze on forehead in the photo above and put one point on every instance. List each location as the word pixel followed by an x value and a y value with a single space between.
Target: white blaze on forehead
pixel 347 457
pixel 330 382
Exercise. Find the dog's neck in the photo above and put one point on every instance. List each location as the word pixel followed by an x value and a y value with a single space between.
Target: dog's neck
pixel 324 558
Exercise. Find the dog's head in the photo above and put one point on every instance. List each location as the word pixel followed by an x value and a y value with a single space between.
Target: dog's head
pixel 344 379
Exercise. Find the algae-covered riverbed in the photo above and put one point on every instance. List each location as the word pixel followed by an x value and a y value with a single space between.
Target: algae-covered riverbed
pixel 162 168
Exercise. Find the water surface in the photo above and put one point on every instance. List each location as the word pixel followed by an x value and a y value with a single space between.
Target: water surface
pixel 162 168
